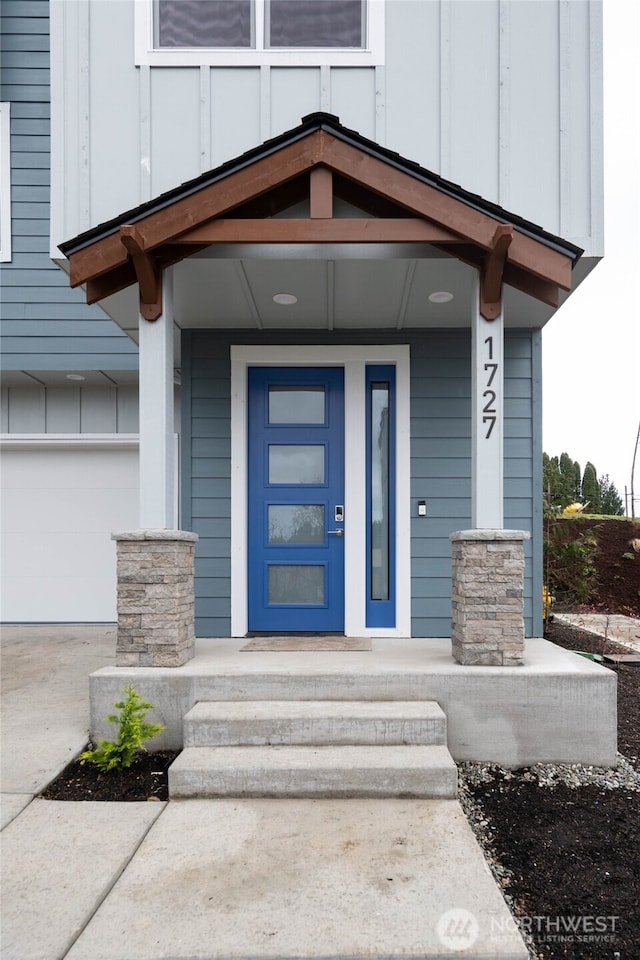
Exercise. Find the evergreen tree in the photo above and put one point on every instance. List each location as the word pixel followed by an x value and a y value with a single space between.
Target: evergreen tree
pixel 551 480
pixel 610 500
pixel 568 492
pixel 563 484
pixel 591 488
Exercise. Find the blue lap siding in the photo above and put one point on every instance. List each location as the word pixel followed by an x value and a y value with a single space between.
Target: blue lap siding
pixel 440 463
pixel 45 324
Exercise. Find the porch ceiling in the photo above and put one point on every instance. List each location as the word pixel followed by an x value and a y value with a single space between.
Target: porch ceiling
pixel 236 288
pixel 358 235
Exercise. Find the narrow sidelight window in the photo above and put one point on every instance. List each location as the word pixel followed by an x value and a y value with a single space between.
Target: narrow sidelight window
pixel 380 496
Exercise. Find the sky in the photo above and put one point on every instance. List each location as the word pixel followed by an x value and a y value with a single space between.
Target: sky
pixel 591 347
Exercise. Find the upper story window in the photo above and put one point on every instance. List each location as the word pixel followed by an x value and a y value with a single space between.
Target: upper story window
pixel 5 183
pixel 252 32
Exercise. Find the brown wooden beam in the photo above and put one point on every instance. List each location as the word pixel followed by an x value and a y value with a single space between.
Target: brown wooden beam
pixel 148 275
pixel 209 202
pixel 112 282
pixel 321 193
pixel 534 287
pixel 370 177
pixel 405 230
pixel 440 207
pixel 513 276
pixel 492 272
pixel 97 259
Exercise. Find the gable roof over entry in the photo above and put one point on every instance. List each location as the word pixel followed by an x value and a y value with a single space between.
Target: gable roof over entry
pixel 311 169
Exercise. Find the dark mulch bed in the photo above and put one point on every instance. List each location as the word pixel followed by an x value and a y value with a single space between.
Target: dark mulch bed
pixel 145 779
pixel 574 854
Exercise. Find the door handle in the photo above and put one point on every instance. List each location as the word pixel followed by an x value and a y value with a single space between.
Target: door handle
pixel 336 533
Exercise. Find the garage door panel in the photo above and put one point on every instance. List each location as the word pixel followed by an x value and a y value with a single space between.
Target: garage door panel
pixel 58 557
pixel 72 510
pixel 26 601
pixel 75 468
pixel 59 508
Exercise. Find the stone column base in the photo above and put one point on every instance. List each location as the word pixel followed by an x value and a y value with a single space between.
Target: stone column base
pixel 155 571
pixel 487 624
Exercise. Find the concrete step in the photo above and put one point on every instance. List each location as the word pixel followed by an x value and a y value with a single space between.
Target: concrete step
pixel 289 722
pixel 314 771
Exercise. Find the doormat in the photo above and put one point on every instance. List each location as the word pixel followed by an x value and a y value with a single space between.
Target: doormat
pixel 305 644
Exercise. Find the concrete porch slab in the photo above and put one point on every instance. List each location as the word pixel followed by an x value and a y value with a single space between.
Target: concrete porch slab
pixel 313 879
pixel 557 707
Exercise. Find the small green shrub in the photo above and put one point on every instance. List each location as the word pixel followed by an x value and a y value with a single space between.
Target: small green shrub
pixel 133 732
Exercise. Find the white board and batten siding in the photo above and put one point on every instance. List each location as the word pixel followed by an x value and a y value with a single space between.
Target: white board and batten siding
pixel 439 96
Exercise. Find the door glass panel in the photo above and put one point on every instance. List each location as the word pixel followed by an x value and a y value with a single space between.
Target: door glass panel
pixel 293 583
pixel 296 404
pixel 379 491
pixel 296 523
pixel 296 463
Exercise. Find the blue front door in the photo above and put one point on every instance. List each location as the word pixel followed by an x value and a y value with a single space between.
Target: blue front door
pixel 296 499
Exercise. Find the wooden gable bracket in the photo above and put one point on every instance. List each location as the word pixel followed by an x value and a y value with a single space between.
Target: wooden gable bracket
pixel 320 193
pixel 148 275
pixel 492 272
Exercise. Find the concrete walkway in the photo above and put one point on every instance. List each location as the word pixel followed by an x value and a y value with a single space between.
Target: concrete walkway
pixel 614 627
pixel 205 879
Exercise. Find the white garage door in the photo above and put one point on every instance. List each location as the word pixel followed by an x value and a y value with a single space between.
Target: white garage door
pixel 59 508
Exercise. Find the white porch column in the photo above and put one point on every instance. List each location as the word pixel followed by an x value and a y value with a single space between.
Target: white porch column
pixel 157 456
pixel 487 392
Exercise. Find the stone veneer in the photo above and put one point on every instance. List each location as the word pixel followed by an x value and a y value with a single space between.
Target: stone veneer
pixel 487 625
pixel 155 570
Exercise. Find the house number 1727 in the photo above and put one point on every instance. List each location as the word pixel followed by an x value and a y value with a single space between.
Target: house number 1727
pixel 489 410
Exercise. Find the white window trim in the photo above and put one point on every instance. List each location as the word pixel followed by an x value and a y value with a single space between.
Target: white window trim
pixel 145 54
pixel 5 182
pixel 354 360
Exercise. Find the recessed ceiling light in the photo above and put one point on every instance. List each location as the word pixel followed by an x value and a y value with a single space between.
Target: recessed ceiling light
pixel 74 376
pixel 286 299
pixel 440 296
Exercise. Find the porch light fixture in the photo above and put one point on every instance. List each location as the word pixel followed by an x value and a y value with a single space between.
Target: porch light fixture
pixel 74 376
pixel 440 296
pixel 285 299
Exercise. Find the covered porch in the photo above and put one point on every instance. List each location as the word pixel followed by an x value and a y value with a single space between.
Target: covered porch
pixel 320 250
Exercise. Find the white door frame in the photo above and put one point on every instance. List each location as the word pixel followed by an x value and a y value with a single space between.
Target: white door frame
pixel 354 359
